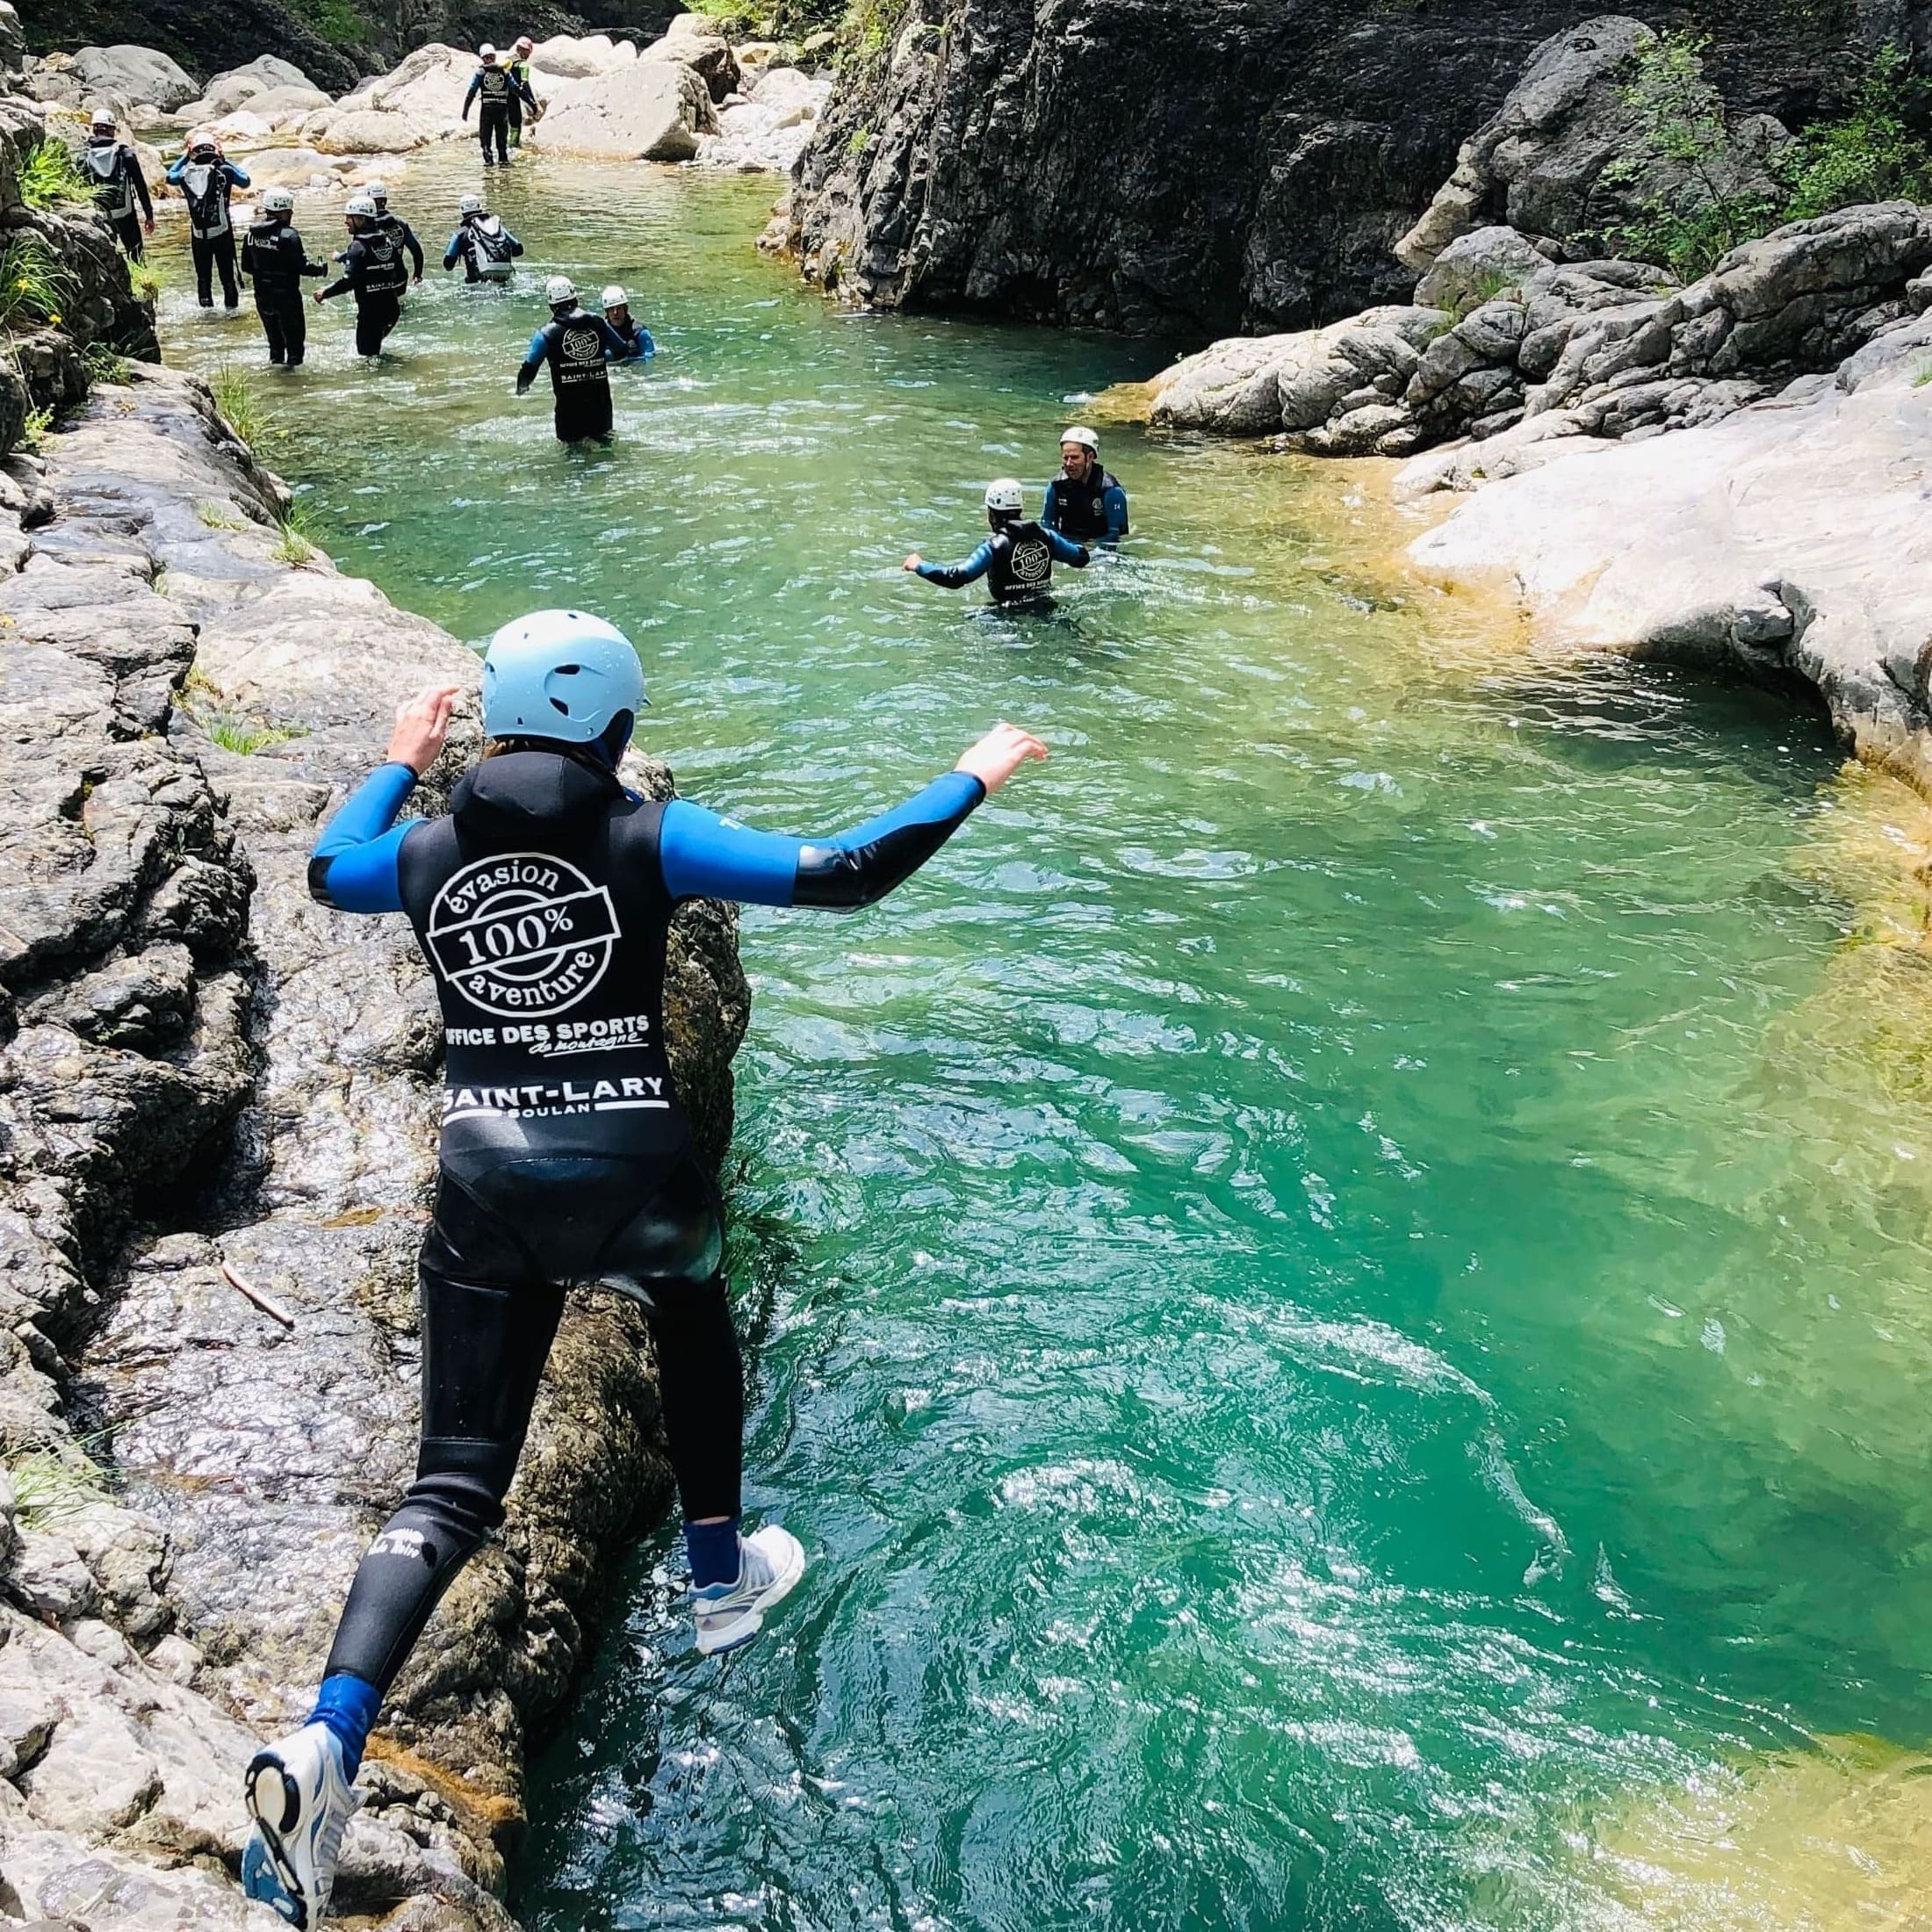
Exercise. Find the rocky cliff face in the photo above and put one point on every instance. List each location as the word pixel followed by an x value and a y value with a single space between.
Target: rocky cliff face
pixel 207 1079
pixel 1245 164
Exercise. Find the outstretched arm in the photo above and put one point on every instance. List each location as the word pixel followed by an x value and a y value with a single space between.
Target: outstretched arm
pixel 476 81
pixel 539 345
pixel 706 856
pixel 1065 550
pixel 953 576
pixel 353 866
pixel 414 250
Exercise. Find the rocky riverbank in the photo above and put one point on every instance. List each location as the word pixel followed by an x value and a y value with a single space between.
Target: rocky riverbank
pixel 208 1080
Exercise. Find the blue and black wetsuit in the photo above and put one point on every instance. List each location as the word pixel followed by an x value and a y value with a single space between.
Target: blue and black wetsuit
pixel 1017 560
pixel 543 903
pixel 487 249
pixel 114 169
pixel 496 86
pixel 633 332
pixel 208 186
pixel 1093 512
pixel 373 272
pixel 577 346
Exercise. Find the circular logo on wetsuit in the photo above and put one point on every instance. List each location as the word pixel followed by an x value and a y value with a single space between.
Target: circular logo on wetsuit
pixel 522 933
pixel 1031 562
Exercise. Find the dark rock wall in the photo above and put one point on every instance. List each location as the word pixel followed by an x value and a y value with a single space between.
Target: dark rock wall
pixel 1198 170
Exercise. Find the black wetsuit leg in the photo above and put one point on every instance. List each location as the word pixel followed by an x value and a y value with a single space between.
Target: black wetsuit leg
pixel 127 233
pixel 210 253
pixel 492 127
pixel 376 316
pixel 269 308
pixel 490 1310
pixel 583 413
pixel 203 252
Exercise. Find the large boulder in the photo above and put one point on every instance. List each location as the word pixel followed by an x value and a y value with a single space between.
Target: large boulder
pixel 767 131
pixel 132 74
pixel 574 57
pixel 365 131
pixel 654 111
pixel 694 42
pixel 1477 267
pixel 242 86
pixel 430 85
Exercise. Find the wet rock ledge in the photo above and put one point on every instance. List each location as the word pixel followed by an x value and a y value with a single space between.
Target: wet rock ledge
pixel 202 1069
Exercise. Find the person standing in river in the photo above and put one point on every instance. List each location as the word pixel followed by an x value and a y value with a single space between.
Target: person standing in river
pixel 487 249
pixel 273 257
pixel 521 90
pixel 372 272
pixel 1017 560
pixel 543 903
pixel 396 227
pixel 209 179
pixel 1085 502
pixel 616 312
pixel 578 346
pixel 114 169
pixel 492 84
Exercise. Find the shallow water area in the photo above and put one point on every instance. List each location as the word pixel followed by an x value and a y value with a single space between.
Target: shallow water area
pixel 1337 1290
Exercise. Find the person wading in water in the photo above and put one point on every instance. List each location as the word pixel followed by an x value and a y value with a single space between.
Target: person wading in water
pixel 543 904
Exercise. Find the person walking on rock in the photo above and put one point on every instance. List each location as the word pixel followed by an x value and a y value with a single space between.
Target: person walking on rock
pixel 274 258
pixel 372 272
pixel 521 90
pixel 543 903
pixel 487 249
pixel 1085 502
pixel 616 308
pixel 578 346
pixel 396 227
pixel 119 185
pixel 1017 560
pixel 493 85
pixel 209 180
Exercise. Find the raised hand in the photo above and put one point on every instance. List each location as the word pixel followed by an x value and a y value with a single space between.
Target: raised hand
pixel 999 755
pixel 423 723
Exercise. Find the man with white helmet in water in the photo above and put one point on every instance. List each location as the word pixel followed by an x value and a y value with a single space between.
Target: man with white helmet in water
pixel 207 178
pixel 373 271
pixel 566 1160
pixel 275 260
pixel 493 83
pixel 577 345
pixel 487 249
pixel 1085 502
pixel 616 308
pixel 1017 560
pixel 113 169
pixel 396 227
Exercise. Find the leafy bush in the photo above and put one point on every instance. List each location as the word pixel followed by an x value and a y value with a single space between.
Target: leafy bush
pixel 338 21
pixel 106 365
pixel 867 30
pixel 50 176
pixel 1872 155
pixel 34 283
pixel 144 282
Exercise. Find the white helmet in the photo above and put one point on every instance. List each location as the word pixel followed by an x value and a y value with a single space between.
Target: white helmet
pixel 615 297
pixel 278 201
pixel 376 191
pixel 1005 497
pixel 559 674
pixel 525 45
pixel 200 137
pixel 1084 437
pixel 101 115
pixel 470 204
pixel 360 204
pixel 559 289
pixel 486 52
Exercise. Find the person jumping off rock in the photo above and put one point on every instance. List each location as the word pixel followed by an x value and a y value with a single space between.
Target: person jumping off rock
pixel 209 180
pixel 114 169
pixel 543 904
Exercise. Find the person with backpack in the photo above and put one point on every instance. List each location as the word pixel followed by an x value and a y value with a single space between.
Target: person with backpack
pixel 275 260
pixel 119 185
pixel 373 272
pixel 209 180
pixel 577 345
pixel 487 249
pixel 1017 560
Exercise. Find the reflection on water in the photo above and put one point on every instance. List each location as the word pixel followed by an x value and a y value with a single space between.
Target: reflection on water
pixel 1338 1292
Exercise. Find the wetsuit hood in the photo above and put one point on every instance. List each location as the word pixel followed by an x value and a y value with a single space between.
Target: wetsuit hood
pixel 523 799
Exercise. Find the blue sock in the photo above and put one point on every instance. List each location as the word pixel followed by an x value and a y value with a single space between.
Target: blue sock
pixel 348 1706
pixel 713 1550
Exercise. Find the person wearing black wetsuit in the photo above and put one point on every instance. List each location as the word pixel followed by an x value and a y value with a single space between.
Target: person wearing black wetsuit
pixel 577 345
pixel 396 227
pixel 373 272
pixel 487 249
pixel 492 85
pixel 629 330
pixel 114 169
pixel 208 180
pixel 1017 560
pixel 1085 502
pixel 542 903
pixel 275 260
pixel 521 90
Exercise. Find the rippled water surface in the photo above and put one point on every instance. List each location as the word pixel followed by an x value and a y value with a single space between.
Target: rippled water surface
pixel 1337 1291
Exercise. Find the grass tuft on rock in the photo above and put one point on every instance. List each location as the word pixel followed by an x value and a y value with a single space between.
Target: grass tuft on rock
pixel 50 177
pixel 106 363
pixel 295 546
pixel 240 408
pixel 35 284
pixel 49 1488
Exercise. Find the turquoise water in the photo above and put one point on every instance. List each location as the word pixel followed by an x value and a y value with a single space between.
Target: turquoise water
pixel 1336 1291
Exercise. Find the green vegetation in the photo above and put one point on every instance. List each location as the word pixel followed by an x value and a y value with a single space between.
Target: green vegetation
pixel 48 1486
pixel 294 547
pixel 216 517
pixel 240 408
pixel 50 177
pixel 106 364
pixel 33 431
pixel 34 283
pixel 1725 191
pixel 338 21
pixel 867 30
pixel 144 281
pixel 242 736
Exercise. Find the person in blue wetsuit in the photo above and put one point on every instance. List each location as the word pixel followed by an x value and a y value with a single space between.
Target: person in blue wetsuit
pixel 577 345
pixel 1017 560
pixel 543 903
pixel 617 309
pixel 1085 502
pixel 208 180
pixel 487 249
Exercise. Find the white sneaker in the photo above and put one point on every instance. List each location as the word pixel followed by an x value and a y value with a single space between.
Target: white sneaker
pixel 769 1565
pixel 299 1797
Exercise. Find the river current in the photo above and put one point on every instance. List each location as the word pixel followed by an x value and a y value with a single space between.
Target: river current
pixel 1338 1291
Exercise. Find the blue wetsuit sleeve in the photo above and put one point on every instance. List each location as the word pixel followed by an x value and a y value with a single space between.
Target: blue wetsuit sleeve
pixel 353 866
pixel 645 346
pixel 1049 509
pixel 952 576
pixel 476 81
pixel 454 250
pixel 705 857
pixel 238 176
pixel 1065 550
pixel 1115 503
pixel 539 347
pixel 174 169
